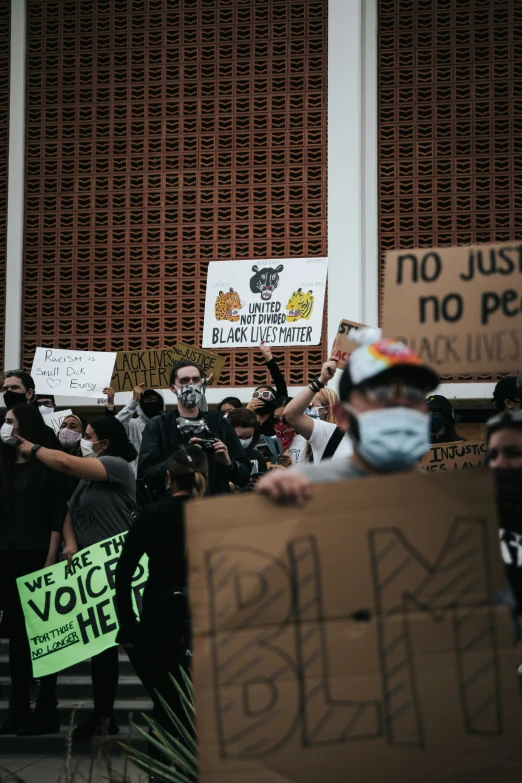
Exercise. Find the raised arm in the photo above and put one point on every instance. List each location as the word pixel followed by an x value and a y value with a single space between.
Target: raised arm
pixel 294 412
pixel 275 373
pixel 126 413
pixel 90 469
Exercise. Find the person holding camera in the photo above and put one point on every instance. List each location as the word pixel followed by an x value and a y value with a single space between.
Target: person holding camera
pixel 164 434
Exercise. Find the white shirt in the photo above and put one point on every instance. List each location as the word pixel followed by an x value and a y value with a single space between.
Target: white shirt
pixel 297 449
pixel 321 434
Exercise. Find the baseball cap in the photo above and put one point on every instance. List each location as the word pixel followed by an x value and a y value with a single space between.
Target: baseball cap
pixel 376 356
pixel 436 402
pixel 506 389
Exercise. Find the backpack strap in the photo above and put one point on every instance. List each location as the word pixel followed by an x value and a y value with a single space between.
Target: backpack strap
pixel 331 447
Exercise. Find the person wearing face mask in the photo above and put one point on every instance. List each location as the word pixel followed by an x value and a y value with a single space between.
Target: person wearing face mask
pixel 17 388
pixel 159 642
pixel 504 457
pixel 45 403
pixel 264 397
pixel 442 423
pixel 145 404
pixel 246 427
pixel 311 414
pixel 102 506
pixel 382 407
pixel 294 445
pixel 165 433
pixel 507 395
pixel 71 433
pixel 33 505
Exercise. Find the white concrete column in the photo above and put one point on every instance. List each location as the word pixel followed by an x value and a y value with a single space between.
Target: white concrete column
pixel 352 163
pixel 16 187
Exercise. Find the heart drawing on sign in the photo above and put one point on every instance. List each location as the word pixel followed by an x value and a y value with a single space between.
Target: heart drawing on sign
pixel 53 382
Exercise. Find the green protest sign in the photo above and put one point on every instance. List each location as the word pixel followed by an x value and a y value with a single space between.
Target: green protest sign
pixel 70 614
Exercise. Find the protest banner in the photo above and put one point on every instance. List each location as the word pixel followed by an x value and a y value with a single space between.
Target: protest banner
pixel 208 362
pixel 151 367
pixel 343 345
pixel 459 308
pixel 70 614
pixel 54 420
pixel 455 456
pixel 356 638
pixel 72 373
pixel 278 300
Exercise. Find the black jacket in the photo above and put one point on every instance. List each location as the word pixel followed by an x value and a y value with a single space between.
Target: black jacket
pixel 161 438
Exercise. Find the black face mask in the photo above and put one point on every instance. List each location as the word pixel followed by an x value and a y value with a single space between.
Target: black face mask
pixel 12 398
pixel 438 422
pixel 268 407
pixel 151 409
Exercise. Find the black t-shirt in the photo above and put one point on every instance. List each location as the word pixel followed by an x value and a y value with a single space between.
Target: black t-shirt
pixel 257 460
pixel 510 519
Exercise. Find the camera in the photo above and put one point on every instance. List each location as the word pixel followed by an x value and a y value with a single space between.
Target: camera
pixel 207 444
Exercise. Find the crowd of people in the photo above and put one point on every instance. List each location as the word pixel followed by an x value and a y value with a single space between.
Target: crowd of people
pixel 135 469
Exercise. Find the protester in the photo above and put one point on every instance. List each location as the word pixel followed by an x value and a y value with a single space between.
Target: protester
pixel 45 403
pixel 383 408
pixel 294 445
pixel 70 435
pixel 311 414
pixel 264 397
pixel 144 405
pixel 229 404
pixel 165 433
pixel 504 456
pixel 17 388
pixel 246 427
pixel 159 643
pixel 442 423
pixel 507 395
pixel 33 500
pixel 102 506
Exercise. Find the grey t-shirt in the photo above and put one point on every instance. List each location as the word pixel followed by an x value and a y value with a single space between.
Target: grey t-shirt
pixel 101 509
pixel 330 470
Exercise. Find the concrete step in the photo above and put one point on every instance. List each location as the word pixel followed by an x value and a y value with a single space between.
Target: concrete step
pixel 82 668
pixel 129 687
pixel 56 744
pixel 82 709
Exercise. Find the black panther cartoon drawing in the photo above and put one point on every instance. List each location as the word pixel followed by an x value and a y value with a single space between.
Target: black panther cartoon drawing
pixel 265 280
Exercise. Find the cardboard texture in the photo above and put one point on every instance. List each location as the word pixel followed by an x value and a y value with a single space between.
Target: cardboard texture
pixel 455 456
pixel 343 346
pixel 460 308
pixel 208 362
pixel 354 639
pixel 472 430
pixel 150 366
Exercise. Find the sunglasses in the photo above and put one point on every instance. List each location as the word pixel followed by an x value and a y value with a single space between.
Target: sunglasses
pixel 280 420
pixel 263 395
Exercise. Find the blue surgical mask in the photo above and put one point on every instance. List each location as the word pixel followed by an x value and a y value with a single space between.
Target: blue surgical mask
pixel 245 442
pixel 392 438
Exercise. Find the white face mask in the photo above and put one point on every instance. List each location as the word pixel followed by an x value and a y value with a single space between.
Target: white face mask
pixel 245 442
pixel 88 450
pixel 6 433
pixel 69 437
pixel 45 411
pixel 392 438
pixel 315 413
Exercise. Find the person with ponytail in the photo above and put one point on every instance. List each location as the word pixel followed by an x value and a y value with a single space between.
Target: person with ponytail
pixel 103 505
pixel 159 643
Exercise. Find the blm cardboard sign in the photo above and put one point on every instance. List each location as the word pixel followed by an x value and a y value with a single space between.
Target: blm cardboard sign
pixel 70 613
pixel 455 456
pixel 460 308
pixel 354 639
pixel 150 366
pixel 343 345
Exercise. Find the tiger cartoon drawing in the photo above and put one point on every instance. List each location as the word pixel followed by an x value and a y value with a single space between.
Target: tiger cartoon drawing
pixel 300 305
pixel 227 306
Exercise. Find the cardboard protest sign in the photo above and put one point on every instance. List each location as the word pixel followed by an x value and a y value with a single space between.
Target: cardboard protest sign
pixel 72 373
pixel 151 367
pixel 208 362
pixel 71 615
pixel 460 308
pixel 455 456
pixel 343 346
pixel 355 638
pixel 54 420
pixel 278 300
